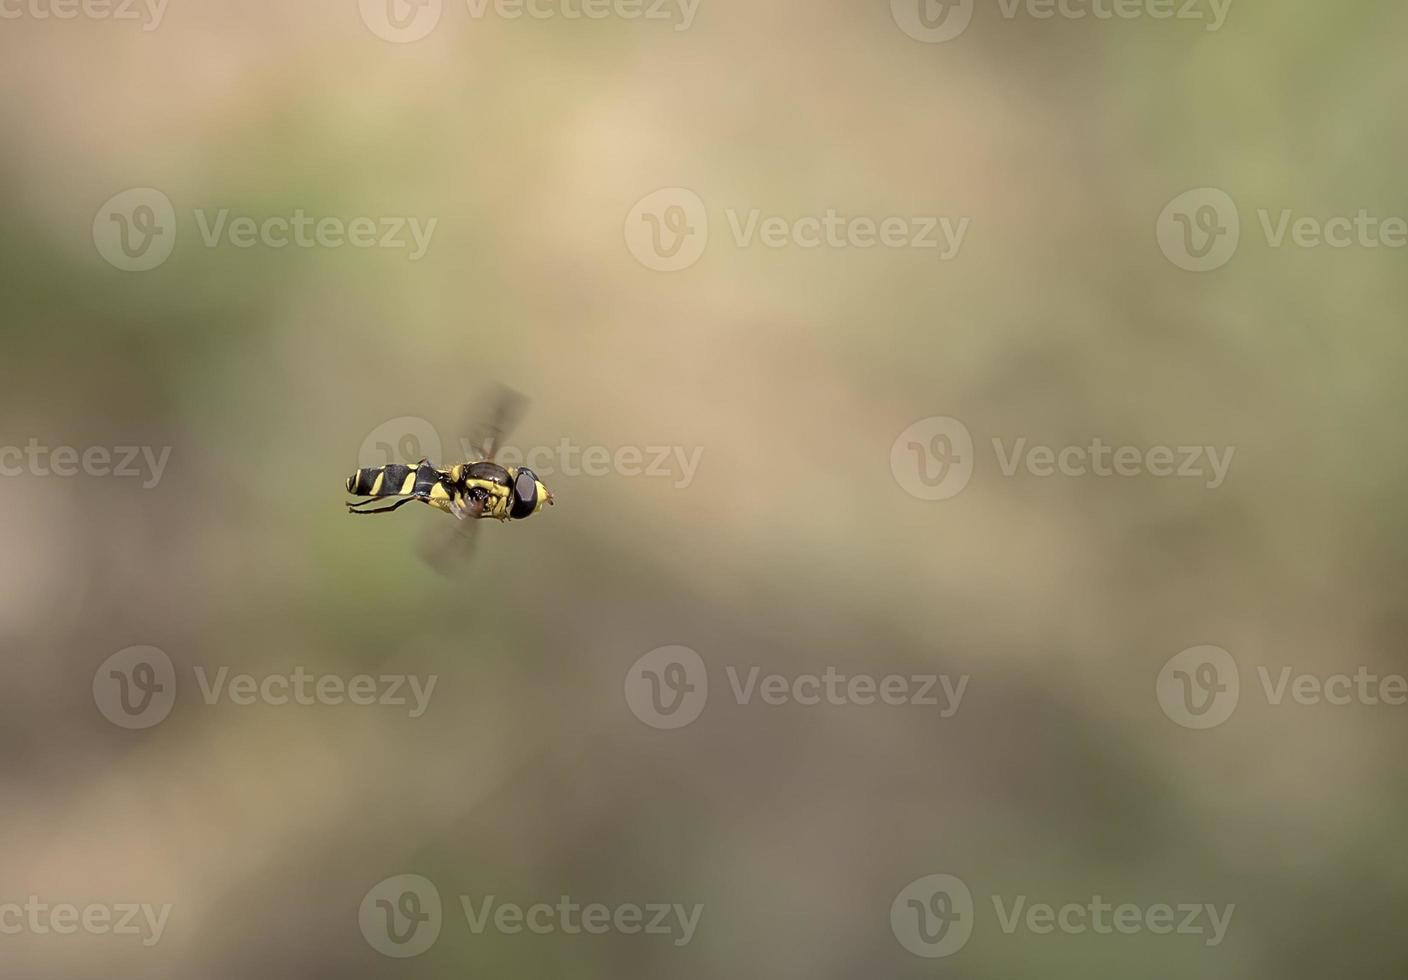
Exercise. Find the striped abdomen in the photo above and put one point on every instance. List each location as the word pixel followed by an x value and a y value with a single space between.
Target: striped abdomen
pixel 395 480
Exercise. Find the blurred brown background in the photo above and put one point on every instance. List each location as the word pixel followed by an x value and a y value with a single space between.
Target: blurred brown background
pixel 797 545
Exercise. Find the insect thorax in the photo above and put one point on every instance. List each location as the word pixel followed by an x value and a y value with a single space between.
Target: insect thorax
pixel 490 481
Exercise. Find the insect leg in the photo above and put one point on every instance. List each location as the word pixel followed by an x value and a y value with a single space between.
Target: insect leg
pixel 351 508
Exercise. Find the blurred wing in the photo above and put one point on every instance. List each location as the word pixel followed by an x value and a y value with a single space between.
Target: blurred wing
pixel 490 426
pixel 448 550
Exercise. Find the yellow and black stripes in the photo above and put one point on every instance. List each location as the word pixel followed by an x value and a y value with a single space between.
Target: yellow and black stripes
pixel 421 482
pixel 395 480
pixel 468 490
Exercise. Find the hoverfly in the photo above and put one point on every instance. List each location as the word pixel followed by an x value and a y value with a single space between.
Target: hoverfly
pixel 472 490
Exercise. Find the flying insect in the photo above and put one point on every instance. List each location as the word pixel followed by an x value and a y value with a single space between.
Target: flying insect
pixel 470 491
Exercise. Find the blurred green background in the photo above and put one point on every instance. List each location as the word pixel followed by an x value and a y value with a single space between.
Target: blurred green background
pixel 796 546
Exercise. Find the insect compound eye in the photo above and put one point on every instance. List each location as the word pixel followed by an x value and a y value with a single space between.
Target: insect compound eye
pixel 525 494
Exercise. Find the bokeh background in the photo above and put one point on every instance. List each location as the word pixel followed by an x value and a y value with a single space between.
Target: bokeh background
pixel 795 547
